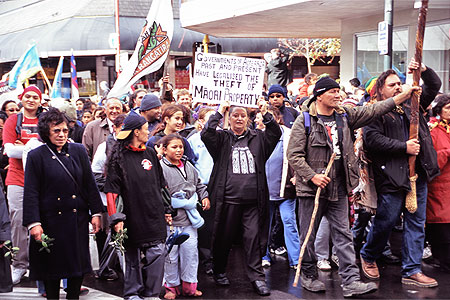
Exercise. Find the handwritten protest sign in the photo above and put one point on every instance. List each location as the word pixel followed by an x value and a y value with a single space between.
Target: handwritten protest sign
pixel 219 78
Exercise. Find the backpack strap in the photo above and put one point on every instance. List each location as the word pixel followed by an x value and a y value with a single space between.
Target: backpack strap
pixel 19 125
pixel 307 121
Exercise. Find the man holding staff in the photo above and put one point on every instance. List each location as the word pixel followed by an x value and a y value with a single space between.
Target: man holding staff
pixel 389 146
pixel 322 129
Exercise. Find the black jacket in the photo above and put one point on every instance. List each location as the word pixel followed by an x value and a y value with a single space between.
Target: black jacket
pixel 52 198
pixel 261 145
pixel 385 140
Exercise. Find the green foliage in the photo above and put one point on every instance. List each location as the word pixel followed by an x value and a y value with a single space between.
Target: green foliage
pixel 10 251
pixel 117 240
pixel 46 243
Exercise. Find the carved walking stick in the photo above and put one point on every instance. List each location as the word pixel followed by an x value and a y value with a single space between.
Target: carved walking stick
pixel 311 224
pixel 411 197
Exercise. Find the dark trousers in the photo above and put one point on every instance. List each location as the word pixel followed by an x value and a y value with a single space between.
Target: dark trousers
pixel 439 237
pixel 73 288
pixel 204 238
pixel 337 215
pixel 361 228
pixel 144 271
pixel 236 217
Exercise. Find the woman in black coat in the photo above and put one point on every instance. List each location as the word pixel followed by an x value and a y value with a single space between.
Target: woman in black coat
pixel 238 189
pixel 58 201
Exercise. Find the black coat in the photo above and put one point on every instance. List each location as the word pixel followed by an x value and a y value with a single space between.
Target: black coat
pixel 261 144
pixel 385 140
pixel 6 285
pixel 52 198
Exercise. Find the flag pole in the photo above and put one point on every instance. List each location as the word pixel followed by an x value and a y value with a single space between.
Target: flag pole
pixel 46 79
pixel 118 38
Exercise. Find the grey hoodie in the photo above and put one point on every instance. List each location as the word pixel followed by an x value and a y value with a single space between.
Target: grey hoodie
pixel 188 182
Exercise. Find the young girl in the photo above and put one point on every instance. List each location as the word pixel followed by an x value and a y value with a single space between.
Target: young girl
pixel 172 121
pixel 187 190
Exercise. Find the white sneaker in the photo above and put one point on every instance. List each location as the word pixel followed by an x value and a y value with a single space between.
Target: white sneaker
pixel 280 251
pixel 323 265
pixel 17 274
pixel 426 252
pixel 265 263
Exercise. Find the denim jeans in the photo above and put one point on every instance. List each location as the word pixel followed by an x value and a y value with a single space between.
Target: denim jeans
pixel 181 263
pixel 291 237
pixel 390 206
pixel 361 228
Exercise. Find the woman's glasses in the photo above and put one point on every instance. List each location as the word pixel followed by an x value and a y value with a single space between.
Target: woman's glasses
pixel 58 131
pixel 13 109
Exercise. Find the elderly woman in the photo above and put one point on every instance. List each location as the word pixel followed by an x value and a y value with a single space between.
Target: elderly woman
pixel 59 197
pixel 438 205
pixel 238 187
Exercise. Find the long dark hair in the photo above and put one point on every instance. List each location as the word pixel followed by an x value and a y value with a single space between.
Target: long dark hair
pixel 167 111
pixel 114 160
pixel 381 80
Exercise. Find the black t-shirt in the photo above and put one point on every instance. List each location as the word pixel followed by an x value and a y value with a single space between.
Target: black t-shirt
pixel 333 137
pixel 241 182
pixel 141 194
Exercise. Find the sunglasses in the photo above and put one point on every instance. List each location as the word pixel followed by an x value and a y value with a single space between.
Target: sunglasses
pixel 275 96
pixel 58 131
pixel 13 109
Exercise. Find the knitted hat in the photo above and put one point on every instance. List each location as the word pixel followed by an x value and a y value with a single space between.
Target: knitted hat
pixel 131 122
pixel 276 88
pixel 150 101
pixel 31 88
pixel 370 84
pixel 322 85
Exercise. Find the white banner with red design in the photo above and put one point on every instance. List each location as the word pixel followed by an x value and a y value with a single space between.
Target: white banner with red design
pixel 151 49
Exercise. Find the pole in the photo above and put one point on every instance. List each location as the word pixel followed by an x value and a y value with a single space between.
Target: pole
pixel 388 17
pixel 311 224
pixel 46 79
pixel 411 197
pixel 118 37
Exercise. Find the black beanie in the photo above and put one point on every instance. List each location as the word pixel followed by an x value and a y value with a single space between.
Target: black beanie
pixel 322 85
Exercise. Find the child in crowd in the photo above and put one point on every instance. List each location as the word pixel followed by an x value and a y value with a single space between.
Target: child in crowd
pixel 186 190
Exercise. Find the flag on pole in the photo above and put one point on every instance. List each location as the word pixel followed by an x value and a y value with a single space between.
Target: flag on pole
pixel 152 47
pixel 27 65
pixel 56 87
pixel 73 75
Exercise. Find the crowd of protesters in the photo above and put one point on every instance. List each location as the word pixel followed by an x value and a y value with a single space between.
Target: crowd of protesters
pixel 178 183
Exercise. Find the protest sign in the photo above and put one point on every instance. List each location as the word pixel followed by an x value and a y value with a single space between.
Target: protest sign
pixel 220 78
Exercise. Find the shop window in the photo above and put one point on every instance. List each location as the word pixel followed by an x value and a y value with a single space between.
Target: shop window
pixel 436 51
pixel 370 63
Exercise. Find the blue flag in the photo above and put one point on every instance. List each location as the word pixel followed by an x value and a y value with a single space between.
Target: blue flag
pixel 27 65
pixel 57 81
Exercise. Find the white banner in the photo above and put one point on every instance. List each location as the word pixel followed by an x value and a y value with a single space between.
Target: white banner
pixel 219 78
pixel 151 49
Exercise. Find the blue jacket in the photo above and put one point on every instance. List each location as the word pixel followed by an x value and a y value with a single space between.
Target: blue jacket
pixel 203 161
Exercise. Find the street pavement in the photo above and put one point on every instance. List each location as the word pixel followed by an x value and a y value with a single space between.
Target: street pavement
pixel 279 278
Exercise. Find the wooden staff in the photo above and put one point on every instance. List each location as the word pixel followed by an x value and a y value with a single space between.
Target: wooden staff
pixel 311 224
pixel 411 197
